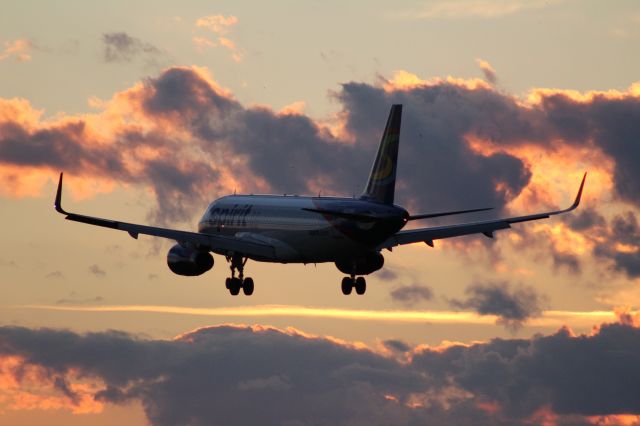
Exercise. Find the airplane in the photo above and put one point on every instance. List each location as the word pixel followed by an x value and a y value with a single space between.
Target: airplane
pixel 350 232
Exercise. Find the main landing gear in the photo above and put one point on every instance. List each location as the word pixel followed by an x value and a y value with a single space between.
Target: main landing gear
pixel 349 283
pixel 234 284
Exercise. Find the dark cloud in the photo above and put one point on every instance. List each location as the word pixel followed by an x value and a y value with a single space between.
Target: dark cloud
pixel 206 376
pixel 588 375
pixel 54 275
pixel 620 243
pixel 395 345
pixel 584 219
pixel 97 271
pixel 566 260
pixel 615 240
pixel 410 295
pixel 513 307
pixel 435 122
pixel 606 122
pixel 77 301
pixel 387 274
pixel 121 47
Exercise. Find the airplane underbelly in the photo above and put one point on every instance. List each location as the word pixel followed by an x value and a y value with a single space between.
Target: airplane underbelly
pixel 309 246
pixel 318 246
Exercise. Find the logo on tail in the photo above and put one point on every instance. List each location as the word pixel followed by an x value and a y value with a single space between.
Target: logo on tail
pixel 382 180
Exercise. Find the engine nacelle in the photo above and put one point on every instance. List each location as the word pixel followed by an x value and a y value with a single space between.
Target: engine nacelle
pixel 188 261
pixel 362 265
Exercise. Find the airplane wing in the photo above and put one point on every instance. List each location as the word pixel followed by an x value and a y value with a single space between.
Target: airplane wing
pixel 216 243
pixel 428 235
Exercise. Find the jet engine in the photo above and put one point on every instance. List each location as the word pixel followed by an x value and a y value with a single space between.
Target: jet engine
pixel 361 265
pixel 189 261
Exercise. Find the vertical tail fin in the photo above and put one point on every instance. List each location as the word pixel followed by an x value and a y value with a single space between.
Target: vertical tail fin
pixel 382 180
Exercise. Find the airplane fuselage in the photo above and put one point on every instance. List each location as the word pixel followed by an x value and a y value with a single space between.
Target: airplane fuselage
pixel 299 227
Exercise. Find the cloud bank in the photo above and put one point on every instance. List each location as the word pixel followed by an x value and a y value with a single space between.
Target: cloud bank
pixel 206 376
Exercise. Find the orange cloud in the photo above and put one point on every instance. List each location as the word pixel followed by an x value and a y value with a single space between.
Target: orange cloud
pixel 487 70
pixel 615 420
pixel 203 42
pixel 405 80
pixel 295 108
pixel 221 26
pixel 218 24
pixel 25 386
pixel 19 50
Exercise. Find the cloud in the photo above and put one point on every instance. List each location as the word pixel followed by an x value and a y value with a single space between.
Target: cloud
pixel 616 240
pixel 121 47
pixel 396 345
pixel 220 26
pixel 19 49
pixel 488 71
pixel 410 295
pixel 620 242
pixel 557 371
pixel 513 308
pixel 387 274
pixel 584 219
pixel 55 275
pixel 77 301
pixel 295 378
pixel 97 271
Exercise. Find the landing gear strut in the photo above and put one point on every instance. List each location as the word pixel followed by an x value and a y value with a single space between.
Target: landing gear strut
pixel 234 284
pixel 349 283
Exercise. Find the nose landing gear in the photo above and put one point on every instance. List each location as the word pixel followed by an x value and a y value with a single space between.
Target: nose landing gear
pixel 234 284
pixel 350 283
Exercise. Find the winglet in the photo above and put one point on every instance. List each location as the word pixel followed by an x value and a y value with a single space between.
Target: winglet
pixel 58 202
pixel 579 196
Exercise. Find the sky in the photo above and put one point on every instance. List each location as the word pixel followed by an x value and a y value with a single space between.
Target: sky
pixel 154 109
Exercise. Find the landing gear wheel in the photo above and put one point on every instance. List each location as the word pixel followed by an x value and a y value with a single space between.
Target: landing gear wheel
pixel 347 285
pixel 234 286
pixel 360 285
pixel 247 286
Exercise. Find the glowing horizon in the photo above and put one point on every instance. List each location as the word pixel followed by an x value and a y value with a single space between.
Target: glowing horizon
pixel 547 318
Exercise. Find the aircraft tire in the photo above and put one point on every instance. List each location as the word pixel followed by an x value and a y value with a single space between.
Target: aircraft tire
pixel 360 285
pixel 247 286
pixel 227 283
pixel 347 285
pixel 234 286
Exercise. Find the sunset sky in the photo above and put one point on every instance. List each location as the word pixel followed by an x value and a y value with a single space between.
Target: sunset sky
pixel 155 108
